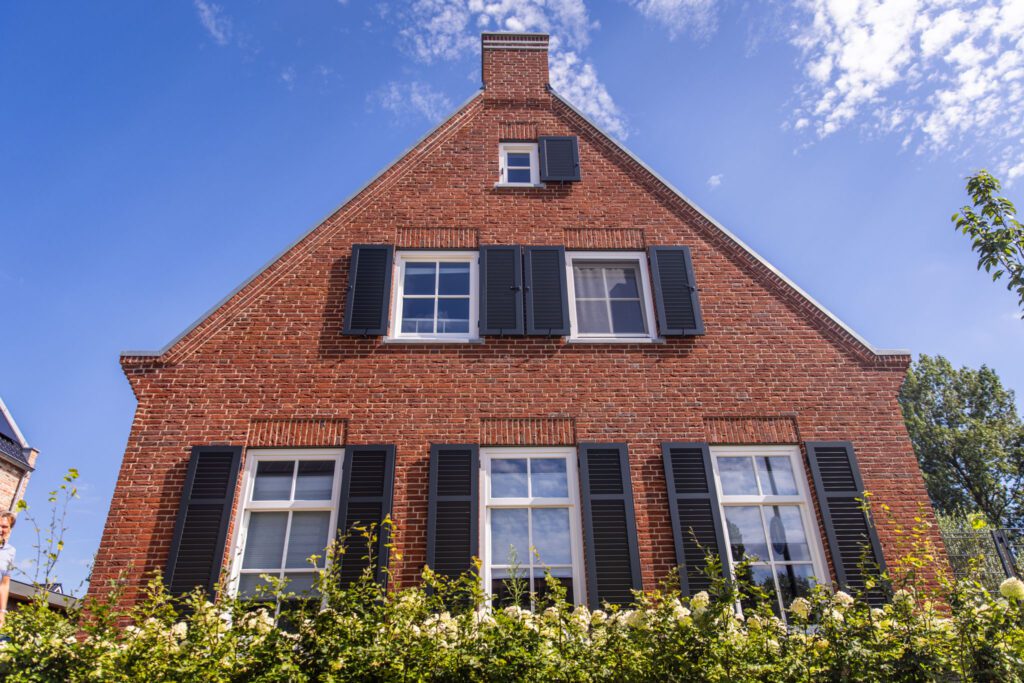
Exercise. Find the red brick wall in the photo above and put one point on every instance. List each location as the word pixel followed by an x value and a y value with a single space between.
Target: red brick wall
pixel 276 352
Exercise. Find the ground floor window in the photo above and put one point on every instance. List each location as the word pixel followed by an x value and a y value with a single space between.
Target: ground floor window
pixel 288 514
pixel 768 519
pixel 530 523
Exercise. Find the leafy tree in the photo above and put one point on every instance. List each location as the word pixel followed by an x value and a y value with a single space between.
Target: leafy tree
pixel 996 235
pixel 968 439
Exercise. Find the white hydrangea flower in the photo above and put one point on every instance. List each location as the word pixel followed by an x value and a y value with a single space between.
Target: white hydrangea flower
pixel 180 630
pixel 842 599
pixel 700 602
pixel 903 596
pixel 1012 589
pixel 836 615
pixel 801 608
pixel 678 611
pixel 598 616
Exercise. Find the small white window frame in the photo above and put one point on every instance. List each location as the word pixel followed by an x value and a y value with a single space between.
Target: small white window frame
pixel 650 321
pixel 247 506
pixel 487 457
pixel 405 257
pixel 802 500
pixel 530 148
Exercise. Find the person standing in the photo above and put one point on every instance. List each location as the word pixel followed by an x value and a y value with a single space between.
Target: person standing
pixel 6 561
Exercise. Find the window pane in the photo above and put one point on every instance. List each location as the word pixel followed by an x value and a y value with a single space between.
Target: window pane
pixel 248 583
pixel 419 278
pixel 776 475
pixel 505 587
pixel 627 317
pixel 309 536
pixel 418 316
pixel 795 580
pixel 273 480
pixel 454 278
pixel 746 535
pixel 548 479
pixel 452 316
pixel 592 317
pixel 622 282
pixel 315 480
pixel 551 535
pixel 562 575
pixel 300 582
pixel 518 175
pixel 264 541
pixel 508 478
pixel 519 159
pixel 786 529
pixel 510 542
pixel 760 576
pixel 589 281
pixel 737 476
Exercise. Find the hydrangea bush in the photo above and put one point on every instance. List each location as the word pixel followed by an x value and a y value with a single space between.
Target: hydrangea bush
pixel 443 630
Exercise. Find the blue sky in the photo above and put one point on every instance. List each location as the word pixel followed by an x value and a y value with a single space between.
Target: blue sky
pixel 154 155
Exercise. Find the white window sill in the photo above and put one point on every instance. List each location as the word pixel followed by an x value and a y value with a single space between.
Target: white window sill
pixel 614 340
pixel 518 186
pixel 416 340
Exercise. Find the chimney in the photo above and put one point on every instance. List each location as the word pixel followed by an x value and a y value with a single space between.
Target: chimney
pixel 514 65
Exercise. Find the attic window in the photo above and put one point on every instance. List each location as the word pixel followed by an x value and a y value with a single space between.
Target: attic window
pixel 518 164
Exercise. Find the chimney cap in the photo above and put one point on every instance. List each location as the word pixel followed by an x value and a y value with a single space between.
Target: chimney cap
pixel 514 41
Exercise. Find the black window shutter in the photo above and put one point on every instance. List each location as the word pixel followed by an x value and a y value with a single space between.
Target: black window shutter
pixel 851 535
pixel 547 297
pixel 675 291
pixel 501 290
pixel 613 557
pixel 559 159
pixel 367 483
pixel 369 290
pixel 452 519
pixel 201 530
pixel 696 521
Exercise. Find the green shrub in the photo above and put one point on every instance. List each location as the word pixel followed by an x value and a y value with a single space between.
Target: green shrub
pixel 930 630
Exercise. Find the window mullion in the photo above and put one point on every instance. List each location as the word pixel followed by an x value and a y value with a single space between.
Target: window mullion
pixel 287 535
pixel 530 546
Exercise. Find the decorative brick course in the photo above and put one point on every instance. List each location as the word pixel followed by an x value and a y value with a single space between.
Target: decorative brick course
pixel 437 238
pixel 752 430
pixel 275 348
pixel 528 431
pixel 296 432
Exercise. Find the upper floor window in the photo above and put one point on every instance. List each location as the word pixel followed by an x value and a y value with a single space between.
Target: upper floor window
pixel 518 164
pixel 436 296
pixel 609 296
pixel 768 519
pixel 289 513
pixel 531 522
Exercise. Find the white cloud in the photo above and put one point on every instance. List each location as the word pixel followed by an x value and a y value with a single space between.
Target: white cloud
pixel 945 75
pixel 288 77
pixel 212 17
pixel 698 17
pixel 716 180
pixel 440 30
pixel 412 98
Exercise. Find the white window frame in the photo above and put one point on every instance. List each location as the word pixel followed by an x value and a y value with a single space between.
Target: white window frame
pixel 247 505
pixel 530 148
pixel 398 278
pixel 487 456
pixel 802 500
pixel 650 321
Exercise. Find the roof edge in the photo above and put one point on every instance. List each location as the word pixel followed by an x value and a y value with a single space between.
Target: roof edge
pixel 728 233
pixel 202 318
pixel 14 425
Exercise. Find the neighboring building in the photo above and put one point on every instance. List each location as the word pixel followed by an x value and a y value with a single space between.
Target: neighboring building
pixel 17 460
pixel 516 336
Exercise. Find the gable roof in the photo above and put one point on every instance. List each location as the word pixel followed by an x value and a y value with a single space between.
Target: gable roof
pixel 738 249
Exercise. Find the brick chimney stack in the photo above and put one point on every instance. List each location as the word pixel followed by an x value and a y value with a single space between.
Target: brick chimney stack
pixel 515 65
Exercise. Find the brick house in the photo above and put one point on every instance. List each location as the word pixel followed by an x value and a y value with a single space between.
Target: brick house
pixel 17 460
pixel 525 346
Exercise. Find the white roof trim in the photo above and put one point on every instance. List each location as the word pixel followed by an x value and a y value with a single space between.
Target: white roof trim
pixel 14 425
pixel 733 237
pixel 339 207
